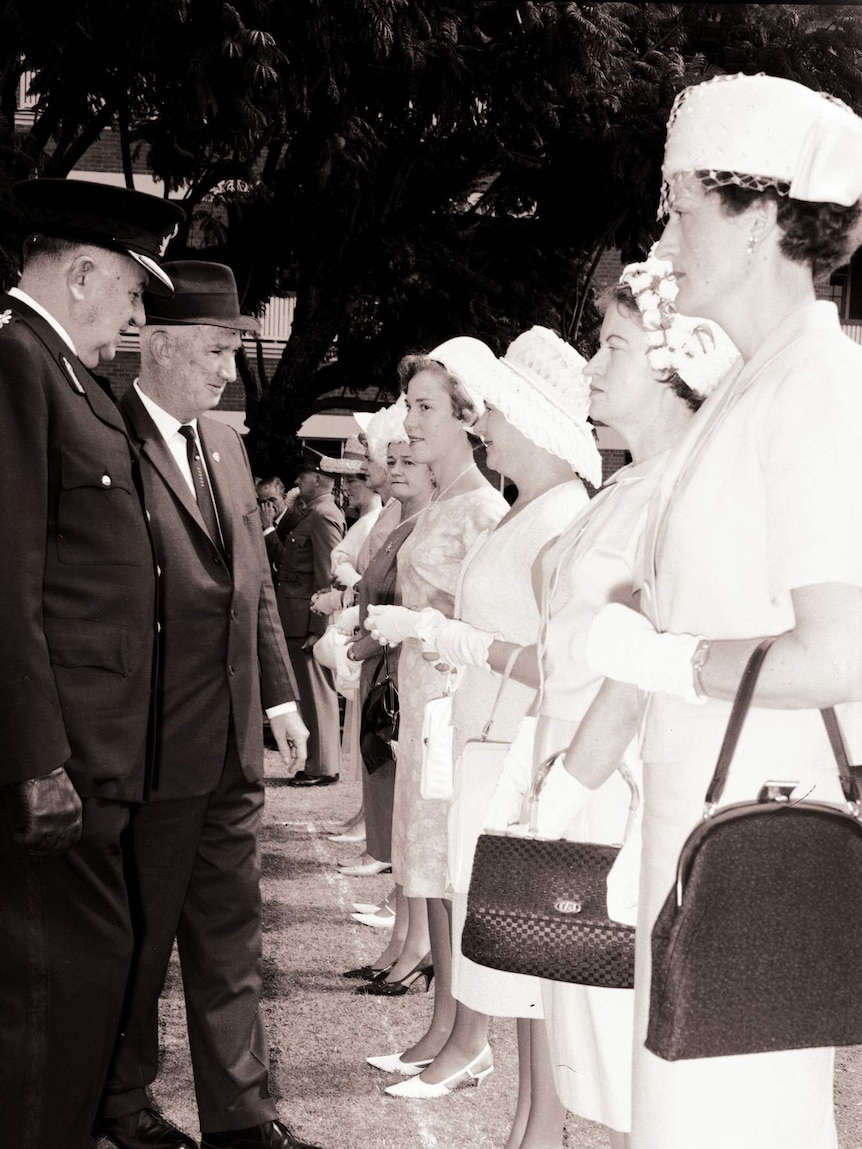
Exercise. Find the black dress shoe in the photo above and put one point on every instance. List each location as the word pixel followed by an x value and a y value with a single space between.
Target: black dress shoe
pixel 303 779
pixel 270 1135
pixel 368 972
pixel 144 1129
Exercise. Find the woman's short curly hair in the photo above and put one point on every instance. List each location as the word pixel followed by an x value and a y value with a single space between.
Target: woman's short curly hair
pixel 819 234
pixel 621 296
pixel 462 405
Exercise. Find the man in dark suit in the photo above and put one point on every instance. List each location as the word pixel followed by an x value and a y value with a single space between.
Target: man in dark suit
pixel 77 624
pixel 301 554
pixel 222 655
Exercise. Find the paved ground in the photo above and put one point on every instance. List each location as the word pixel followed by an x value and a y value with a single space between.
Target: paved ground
pixel 320 1032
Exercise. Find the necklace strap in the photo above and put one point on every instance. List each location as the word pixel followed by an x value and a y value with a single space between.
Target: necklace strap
pixel 437 497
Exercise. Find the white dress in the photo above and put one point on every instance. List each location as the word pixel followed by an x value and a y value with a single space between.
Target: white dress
pixel 763 497
pixel 429 563
pixel 496 594
pixel 590 564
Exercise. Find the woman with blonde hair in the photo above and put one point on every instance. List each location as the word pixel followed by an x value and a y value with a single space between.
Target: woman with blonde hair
pixel 440 413
pixel 536 434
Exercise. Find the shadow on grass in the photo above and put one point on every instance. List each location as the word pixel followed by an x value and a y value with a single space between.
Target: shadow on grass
pixel 282 866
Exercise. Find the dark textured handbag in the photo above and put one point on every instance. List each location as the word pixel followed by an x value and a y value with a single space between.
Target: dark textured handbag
pixel 759 943
pixel 378 725
pixel 539 906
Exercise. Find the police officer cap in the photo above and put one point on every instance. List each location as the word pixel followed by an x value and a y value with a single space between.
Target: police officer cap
pixel 310 461
pixel 131 222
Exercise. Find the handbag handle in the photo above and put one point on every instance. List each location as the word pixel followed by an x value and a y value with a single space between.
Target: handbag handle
pixel 383 664
pixel 510 663
pixel 741 705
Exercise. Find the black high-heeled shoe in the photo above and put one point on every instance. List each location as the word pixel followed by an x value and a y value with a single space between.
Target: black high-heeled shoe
pixel 368 972
pixel 382 988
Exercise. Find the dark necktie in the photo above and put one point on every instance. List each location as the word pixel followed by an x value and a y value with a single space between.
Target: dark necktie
pixel 202 486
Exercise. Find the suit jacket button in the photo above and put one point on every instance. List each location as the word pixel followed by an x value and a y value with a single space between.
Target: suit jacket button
pixel 106 480
pixel 217 559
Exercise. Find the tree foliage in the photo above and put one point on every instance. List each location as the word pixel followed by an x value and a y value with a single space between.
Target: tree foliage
pixel 411 169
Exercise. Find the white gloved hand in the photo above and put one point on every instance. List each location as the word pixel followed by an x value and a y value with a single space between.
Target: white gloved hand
pixel 513 785
pixel 624 645
pixel 347 671
pixel 346 574
pixel 456 642
pixel 326 601
pixel 348 620
pixel 560 798
pixel 390 625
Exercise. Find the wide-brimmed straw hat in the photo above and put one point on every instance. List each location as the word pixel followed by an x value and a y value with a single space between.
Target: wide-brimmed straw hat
pixel 547 397
pixel 354 460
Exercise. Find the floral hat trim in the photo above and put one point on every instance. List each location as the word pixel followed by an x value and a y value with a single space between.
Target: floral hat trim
pixel 698 350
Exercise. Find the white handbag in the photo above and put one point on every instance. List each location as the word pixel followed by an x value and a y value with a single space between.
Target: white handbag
pixel 435 780
pixel 475 779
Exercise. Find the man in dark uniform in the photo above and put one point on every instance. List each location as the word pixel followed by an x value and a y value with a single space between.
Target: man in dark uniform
pixel 77 624
pixel 301 554
pixel 222 656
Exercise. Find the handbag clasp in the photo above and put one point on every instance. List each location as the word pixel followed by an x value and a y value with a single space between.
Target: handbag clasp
pixel 773 791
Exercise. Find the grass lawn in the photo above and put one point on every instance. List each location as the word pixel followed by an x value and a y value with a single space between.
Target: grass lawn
pixel 320 1032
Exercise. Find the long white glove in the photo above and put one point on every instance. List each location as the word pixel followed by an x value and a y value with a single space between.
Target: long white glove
pixel 457 643
pixel 624 645
pixel 513 785
pixel 560 798
pixel 346 574
pixel 390 625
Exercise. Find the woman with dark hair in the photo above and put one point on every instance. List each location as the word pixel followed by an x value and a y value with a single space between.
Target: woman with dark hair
pixel 412 487
pixel 579 1057
pixel 755 530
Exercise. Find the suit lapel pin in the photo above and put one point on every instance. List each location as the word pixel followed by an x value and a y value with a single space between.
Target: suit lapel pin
pixel 216 456
pixel 70 371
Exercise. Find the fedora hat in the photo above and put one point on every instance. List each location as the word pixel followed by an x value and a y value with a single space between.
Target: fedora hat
pixel 204 295
pixel 131 222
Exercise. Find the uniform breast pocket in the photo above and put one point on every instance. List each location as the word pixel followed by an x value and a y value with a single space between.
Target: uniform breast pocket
pixel 99 516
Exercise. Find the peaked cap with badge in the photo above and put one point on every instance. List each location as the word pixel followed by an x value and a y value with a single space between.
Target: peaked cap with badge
pixel 77 617
pixel 131 222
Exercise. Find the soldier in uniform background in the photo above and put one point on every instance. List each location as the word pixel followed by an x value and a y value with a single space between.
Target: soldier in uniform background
pixel 301 556
pixel 77 619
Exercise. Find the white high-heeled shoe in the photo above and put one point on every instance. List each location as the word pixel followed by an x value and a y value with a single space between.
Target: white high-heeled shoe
pixel 392 1063
pixel 367 907
pixel 471 1074
pixel 378 921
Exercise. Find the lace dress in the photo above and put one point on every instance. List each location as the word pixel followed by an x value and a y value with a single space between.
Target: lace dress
pixel 429 564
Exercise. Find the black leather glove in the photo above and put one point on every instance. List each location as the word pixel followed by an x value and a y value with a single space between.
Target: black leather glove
pixel 46 814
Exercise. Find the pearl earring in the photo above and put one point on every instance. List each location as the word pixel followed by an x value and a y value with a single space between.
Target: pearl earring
pixel 751 245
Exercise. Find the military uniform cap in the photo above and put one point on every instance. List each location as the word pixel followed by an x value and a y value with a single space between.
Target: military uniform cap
pixel 131 222
pixel 310 461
